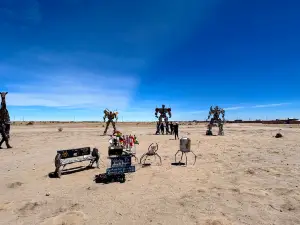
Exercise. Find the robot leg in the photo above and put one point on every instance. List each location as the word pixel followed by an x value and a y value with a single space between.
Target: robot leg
pixel 167 125
pixel 221 132
pixel 157 128
pixel 209 127
pixel 114 125
pixel 7 130
pixel 159 123
pixel 107 125
pixel 211 124
pixel 160 119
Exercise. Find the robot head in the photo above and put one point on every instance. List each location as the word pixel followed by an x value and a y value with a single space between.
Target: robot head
pixel 3 94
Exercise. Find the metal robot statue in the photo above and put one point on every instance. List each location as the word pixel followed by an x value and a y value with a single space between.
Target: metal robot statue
pixel 215 119
pixel 163 115
pixel 110 115
pixel 4 121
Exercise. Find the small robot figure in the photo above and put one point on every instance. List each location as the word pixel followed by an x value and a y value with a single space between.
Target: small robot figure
pixel 216 119
pixel 163 115
pixel 110 115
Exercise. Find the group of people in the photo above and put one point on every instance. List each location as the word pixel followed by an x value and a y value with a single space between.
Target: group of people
pixel 168 128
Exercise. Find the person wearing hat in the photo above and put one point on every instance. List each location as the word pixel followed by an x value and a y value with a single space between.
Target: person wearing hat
pixel 175 129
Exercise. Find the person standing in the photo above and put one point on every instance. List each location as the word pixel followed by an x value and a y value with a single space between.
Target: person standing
pixel 176 130
pixel 172 128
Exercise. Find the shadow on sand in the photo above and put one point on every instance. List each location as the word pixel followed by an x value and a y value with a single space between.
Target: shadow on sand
pixel 70 171
pixel 146 165
pixel 177 164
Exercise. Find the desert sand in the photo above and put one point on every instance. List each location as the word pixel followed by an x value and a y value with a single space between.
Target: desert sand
pixel 244 177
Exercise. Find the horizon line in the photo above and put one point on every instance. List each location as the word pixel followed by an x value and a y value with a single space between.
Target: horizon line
pixel 143 121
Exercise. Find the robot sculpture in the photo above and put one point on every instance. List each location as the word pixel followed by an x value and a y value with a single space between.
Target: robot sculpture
pixel 4 121
pixel 215 112
pixel 163 115
pixel 110 115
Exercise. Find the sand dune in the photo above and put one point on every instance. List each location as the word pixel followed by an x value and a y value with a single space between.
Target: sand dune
pixel 244 177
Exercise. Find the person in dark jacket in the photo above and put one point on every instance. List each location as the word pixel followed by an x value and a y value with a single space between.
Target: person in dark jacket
pixel 172 128
pixel 176 130
pixel 162 128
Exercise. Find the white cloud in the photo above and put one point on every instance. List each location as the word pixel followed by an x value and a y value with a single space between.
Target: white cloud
pixel 270 105
pixel 59 80
pixel 148 114
pixel 39 59
pixel 234 108
pixel 74 89
pixel 207 110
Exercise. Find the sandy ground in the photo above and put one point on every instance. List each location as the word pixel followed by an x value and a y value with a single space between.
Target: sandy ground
pixel 244 177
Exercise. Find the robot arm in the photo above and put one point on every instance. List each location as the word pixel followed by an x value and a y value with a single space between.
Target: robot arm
pixel 156 112
pixel 223 115
pixel 210 112
pixel 169 112
pixel 105 115
pixel 116 115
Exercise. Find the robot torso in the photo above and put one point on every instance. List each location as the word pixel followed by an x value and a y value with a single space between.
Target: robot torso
pixel 163 111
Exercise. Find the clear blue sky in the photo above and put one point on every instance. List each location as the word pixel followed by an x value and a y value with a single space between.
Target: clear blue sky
pixel 62 59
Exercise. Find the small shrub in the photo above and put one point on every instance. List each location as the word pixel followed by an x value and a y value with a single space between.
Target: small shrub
pixel 278 135
pixel 60 129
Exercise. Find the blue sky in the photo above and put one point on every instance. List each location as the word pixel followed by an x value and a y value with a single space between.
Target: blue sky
pixel 62 59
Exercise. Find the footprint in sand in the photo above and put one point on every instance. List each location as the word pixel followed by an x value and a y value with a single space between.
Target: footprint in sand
pixel 14 185
pixel 5 206
pixel 216 222
pixel 69 218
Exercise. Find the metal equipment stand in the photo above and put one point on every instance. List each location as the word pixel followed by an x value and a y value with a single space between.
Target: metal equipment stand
pixel 184 153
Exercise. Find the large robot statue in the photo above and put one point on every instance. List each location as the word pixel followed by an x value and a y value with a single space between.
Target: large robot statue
pixel 4 121
pixel 163 115
pixel 110 115
pixel 216 112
